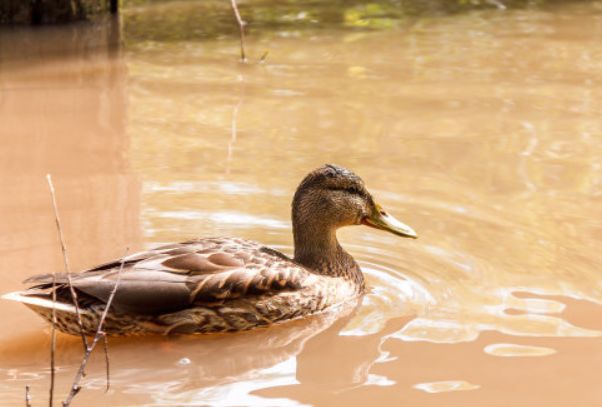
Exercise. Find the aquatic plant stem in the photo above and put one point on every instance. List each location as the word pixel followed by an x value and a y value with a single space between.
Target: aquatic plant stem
pixel 75 387
pixel 53 329
pixel 27 397
pixel 241 27
pixel 105 342
pixel 66 266
pixel 52 342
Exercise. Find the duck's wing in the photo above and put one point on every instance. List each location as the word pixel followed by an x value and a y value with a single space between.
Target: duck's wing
pixel 173 277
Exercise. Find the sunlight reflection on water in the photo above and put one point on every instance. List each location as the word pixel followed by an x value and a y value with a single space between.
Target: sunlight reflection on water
pixel 239 392
pixel 445 386
pixel 514 350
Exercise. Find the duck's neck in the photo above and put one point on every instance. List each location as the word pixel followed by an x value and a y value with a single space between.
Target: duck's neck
pixel 317 248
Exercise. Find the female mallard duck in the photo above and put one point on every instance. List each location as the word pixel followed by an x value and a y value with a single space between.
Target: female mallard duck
pixel 227 284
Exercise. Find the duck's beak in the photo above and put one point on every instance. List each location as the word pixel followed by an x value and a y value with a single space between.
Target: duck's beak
pixel 380 219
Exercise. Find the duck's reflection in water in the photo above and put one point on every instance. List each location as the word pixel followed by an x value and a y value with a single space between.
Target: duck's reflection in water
pixel 207 369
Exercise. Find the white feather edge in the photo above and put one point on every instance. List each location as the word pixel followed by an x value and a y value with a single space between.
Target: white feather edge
pixel 23 297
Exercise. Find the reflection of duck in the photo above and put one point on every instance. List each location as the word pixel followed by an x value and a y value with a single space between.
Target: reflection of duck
pixel 182 370
pixel 228 284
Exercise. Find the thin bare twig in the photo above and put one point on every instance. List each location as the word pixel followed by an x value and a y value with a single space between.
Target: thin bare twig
pixel 27 397
pixel 241 27
pixel 105 342
pixel 264 57
pixel 66 265
pixel 75 387
pixel 52 342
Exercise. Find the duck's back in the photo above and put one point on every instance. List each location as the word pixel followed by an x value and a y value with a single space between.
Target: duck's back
pixel 205 285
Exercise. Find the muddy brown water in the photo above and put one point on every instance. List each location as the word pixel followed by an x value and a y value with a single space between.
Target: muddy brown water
pixel 482 130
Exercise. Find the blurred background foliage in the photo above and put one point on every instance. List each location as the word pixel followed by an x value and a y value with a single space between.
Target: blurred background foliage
pixel 210 19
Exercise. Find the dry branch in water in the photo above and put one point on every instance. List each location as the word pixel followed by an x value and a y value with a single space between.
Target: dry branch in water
pixel 53 334
pixel 105 342
pixel 88 348
pixel 67 271
pixel 241 27
pixel 75 387
pixel 57 220
pixel 52 342
pixel 27 397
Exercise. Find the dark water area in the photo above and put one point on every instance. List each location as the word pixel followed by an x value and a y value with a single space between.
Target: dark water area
pixel 481 128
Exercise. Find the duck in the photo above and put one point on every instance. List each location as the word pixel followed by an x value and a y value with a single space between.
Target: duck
pixel 224 284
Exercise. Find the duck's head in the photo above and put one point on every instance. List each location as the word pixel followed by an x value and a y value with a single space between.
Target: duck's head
pixel 331 197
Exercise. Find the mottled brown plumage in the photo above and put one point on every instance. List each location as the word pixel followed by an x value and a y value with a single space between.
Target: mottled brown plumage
pixel 227 284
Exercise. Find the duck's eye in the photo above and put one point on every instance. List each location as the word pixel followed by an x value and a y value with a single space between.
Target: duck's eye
pixel 354 190
pixel 350 190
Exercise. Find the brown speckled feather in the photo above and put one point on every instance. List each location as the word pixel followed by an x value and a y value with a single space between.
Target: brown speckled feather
pixel 194 286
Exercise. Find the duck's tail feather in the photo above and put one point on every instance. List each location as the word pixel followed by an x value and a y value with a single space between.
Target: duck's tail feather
pixel 38 299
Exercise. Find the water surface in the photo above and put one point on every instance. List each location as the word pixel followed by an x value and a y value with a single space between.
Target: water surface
pixel 482 130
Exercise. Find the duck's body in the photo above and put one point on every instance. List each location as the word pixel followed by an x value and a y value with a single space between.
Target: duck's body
pixel 225 284
pixel 199 286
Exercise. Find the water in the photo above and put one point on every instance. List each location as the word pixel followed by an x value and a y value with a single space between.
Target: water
pixel 480 129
